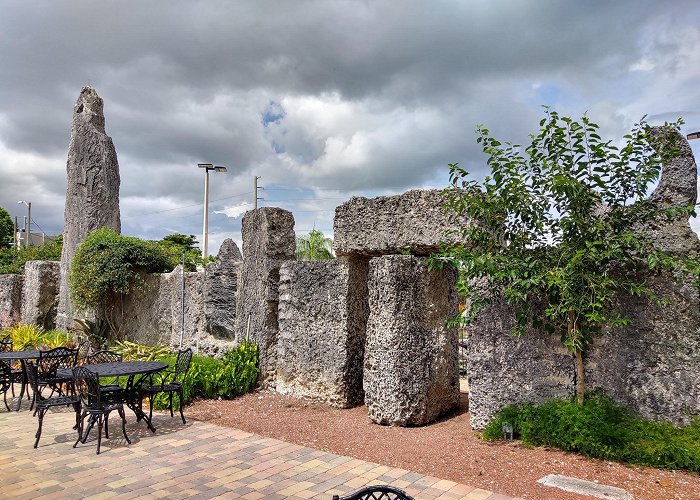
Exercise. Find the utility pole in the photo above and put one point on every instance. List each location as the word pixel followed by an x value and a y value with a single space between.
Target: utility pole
pixel 255 191
pixel 15 240
pixel 27 221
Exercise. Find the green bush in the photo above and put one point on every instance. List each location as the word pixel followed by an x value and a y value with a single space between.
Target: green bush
pixel 12 260
pixel 602 429
pixel 107 265
pixel 211 378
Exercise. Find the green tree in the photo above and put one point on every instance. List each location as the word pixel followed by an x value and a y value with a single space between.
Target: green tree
pixel 315 246
pixel 7 228
pixel 555 226
pixel 181 246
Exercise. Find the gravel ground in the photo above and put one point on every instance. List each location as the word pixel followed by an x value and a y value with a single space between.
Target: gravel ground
pixel 447 449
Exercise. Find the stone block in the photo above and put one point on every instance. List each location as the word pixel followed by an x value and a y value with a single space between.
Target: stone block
pixel 504 369
pixel 268 242
pixel 411 373
pixel 322 322
pixel 40 293
pixel 220 286
pixel 413 222
pixel 10 298
pixel 92 194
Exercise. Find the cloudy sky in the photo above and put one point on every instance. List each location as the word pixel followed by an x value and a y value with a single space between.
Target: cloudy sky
pixel 322 100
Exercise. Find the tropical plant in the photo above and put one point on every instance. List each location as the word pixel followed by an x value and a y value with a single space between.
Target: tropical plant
pixel 555 227
pixel 210 378
pixel 133 351
pixel 315 246
pixel 30 336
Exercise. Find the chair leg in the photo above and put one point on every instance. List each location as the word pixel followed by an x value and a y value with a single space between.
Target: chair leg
pixel 76 407
pixel 80 428
pixel 170 401
pixel 91 423
pixel 107 425
pixel 42 412
pixel 4 398
pixel 179 395
pixel 151 399
pixel 123 416
pixel 99 432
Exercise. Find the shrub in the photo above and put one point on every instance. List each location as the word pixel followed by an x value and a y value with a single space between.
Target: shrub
pixel 602 429
pixel 30 336
pixel 209 378
pixel 107 265
pixel 12 260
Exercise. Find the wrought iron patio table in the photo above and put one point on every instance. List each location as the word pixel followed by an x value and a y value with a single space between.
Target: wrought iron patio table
pixel 22 357
pixel 137 372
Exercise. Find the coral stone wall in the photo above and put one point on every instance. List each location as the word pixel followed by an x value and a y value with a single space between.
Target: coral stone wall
pixel 10 298
pixel 40 293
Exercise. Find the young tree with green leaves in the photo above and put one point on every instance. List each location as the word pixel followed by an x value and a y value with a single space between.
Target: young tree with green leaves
pixel 556 225
pixel 315 246
pixel 7 228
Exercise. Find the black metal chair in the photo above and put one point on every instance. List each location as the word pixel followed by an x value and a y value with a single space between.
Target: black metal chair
pixel 48 364
pixel 16 374
pixel 106 356
pixel 170 383
pixel 378 492
pixel 94 406
pixel 5 381
pixel 43 404
pixel 84 350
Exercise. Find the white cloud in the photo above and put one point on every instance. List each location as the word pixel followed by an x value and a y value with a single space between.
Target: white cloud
pixel 235 210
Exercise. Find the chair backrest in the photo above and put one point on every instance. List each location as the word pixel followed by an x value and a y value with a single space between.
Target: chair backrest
pixel 33 377
pixel 87 384
pixel 182 362
pixel 377 492
pixel 103 357
pixel 60 357
pixel 6 344
pixel 5 375
pixel 84 350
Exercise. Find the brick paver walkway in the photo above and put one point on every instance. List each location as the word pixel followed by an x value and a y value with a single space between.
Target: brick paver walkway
pixel 178 461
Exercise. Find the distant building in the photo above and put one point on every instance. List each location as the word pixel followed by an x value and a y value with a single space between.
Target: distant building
pixel 37 239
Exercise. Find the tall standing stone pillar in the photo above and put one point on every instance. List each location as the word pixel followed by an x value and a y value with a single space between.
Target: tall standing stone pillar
pixel 411 375
pixel 92 196
pixel 268 242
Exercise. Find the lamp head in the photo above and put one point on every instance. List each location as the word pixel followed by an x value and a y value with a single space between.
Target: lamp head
pixel 693 135
pixel 208 166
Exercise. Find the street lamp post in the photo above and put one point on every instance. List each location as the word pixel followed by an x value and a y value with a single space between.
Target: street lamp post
pixel 28 225
pixel 205 227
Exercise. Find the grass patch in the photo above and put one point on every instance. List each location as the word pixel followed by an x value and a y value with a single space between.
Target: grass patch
pixel 602 429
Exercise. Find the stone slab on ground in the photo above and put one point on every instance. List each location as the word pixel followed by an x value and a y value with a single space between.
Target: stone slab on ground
pixel 583 487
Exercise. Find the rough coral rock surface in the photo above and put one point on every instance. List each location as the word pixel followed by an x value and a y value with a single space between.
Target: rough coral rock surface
pixel 322 322
pixel 411 375
pixel 40 293
pixel 10 298
pixel 220 286
pixel 268 242
pixel 413 222
pixel 92 195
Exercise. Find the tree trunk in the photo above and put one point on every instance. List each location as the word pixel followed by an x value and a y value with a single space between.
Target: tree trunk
pixel 580 386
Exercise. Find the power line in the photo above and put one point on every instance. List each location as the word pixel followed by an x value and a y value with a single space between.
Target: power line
pixel 183 207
